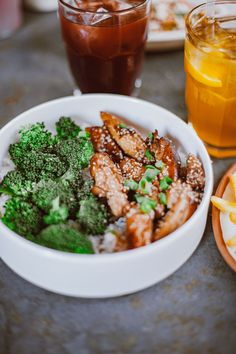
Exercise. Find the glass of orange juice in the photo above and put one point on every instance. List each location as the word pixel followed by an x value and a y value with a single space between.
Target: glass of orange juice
pixel 210 65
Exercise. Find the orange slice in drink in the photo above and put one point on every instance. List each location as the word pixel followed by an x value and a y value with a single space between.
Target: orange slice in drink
pixel 203 73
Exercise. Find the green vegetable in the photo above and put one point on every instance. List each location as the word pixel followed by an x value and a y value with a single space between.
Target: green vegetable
pixel 145 186
pixel 131 184
pixel 165 183
pixel 162 198
pixel 67 129
pixel 146 204
pixel 22 217
pixel 160 164
pixel 122 126
pixel 37 165
pixel 92 216
pixel 14 183
pixel 47 191
pixel 34 138
pixel 151 173
pixel 148 155
pixel 84 134
pixel 63 238
pixel 57 214
pixel 150 136
pixel 76 152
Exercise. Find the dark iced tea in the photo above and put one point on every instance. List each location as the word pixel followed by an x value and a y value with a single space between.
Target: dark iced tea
pixel 105 43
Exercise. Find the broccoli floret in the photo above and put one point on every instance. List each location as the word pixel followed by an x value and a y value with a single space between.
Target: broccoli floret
pixel 77 152
pixel 64 238
pixel 47 191
pixel 83 190
pixel 67 129
pixel 38 165
pixel 22 217
pixel 35 138
pixel 92 216
pixel 58 213
pixel 14 183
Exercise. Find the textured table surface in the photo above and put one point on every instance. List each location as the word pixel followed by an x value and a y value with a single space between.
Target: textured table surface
pixel 193 311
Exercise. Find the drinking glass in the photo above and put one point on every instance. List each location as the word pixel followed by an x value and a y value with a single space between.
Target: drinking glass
pixel 105 43
pixel 10 17
pixel 210 65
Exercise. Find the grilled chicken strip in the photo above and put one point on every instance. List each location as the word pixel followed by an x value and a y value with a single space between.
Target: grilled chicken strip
pixel 127 138
pixel 139 227
pixel 103 142
pixel 108 183
pixel 163 150
pixel 131 169
pixel 181 205
pixel 195 175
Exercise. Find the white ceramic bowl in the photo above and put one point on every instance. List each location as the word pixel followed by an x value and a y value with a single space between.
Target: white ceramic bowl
pixel 117 274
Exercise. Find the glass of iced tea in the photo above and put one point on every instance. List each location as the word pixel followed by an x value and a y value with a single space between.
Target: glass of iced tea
pixel 105 42
pixel 210 65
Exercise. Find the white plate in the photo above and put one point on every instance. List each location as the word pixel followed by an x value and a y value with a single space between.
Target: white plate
pixel 168 40
pixel 106 275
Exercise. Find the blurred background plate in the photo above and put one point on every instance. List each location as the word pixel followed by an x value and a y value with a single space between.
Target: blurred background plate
pixel 167 24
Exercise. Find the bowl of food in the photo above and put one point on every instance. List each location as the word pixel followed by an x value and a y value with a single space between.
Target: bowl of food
pixel 101 195
pixel 224 216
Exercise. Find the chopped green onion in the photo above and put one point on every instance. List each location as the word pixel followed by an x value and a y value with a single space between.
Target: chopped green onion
pixel 162 198
pixel 122 126
pixel 160 164
pixel 165 183
pixel 131 184
pixel 151 173
pixel 148 205
pixel 148 154
pixel 151 167
pixel 150 136
pixel 84 134
pixel 145 186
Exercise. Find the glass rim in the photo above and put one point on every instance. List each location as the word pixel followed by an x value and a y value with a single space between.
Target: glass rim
pixel 189 27
pixel 77 9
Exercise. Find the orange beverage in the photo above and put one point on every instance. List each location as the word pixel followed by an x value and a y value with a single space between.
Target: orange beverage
pixel 210 65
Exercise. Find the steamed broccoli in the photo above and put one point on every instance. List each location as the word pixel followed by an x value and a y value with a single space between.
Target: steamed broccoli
pixel 76 152
pixel 22 217
pixel 14 183
pixel 47 191
pixel 35 138
pixel 58 213
pixel 38 165
pixel 64 238
pixel 67 129
pixel 92 216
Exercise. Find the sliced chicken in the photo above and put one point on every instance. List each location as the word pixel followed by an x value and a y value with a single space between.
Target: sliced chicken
pixel 163 150
pixel 139 227
pixel 103 142
pixel 195 175
pixel 108 183
pixel 181 204
pixel 127 138
pixel 131 169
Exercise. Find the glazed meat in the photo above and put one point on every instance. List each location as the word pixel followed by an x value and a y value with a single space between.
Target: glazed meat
pixel 128 139
pixel 163 150
pixel 195 175
pixel 181 206
pixel 103 142
pixel 139 227
pixel 108 183
pixel 131 169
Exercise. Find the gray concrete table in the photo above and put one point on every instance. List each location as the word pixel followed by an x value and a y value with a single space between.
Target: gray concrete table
pixel 193 311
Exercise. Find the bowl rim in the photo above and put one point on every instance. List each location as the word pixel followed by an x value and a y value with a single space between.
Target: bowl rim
pixel 218 234
pixel 104 257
